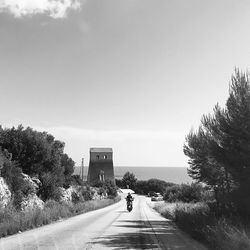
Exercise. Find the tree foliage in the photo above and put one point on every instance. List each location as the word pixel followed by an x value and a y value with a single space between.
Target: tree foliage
pixel 142 186
pixel 185 193
pixel 129 180
pixel 38 154
pixel 110 188
pixel 14 178
pixel 219 152
pixel 151 185
pixel 107 187
pixel 68 164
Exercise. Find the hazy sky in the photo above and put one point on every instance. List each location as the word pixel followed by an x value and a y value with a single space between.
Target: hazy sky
pixel 134 75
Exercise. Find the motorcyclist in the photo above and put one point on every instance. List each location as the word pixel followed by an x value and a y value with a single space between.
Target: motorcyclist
pixel 129 199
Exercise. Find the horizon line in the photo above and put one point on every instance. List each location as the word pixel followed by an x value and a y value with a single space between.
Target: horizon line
pixel 130 166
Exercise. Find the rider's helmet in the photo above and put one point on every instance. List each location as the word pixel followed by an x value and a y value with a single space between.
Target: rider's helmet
pixel 128 193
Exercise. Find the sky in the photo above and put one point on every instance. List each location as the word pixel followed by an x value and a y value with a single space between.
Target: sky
pixel 134 75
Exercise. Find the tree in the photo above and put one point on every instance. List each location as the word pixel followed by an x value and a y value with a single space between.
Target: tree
pixel 219 151
pixel 151 185
pixel 14 178
pixel 68 164
pixel 38 154
pixel 141 187
pixel 129 180
pixel 158 186
pixel 118 183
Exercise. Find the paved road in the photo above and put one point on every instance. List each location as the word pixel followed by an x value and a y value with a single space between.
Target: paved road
pixel 108 228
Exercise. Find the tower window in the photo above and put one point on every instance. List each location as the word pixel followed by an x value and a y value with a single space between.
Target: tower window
pixel 105 157
pixel 97 157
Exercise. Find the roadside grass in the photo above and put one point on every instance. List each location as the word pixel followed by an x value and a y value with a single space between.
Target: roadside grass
pixel 13 221
pixel 199 222
pixel 166 209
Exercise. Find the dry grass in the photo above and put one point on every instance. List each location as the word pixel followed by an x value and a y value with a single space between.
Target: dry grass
pixel 166 209
pixel 13 221
pixel 197 220
pixel 223 235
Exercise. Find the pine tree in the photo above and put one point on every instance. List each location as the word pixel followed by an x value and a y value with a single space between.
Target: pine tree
pixel 219 151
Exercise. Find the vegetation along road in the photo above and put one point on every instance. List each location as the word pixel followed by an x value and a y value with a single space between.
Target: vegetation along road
pixel 108 228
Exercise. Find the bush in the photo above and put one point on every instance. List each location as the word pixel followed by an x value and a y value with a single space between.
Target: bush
pixel 142 186
pixel 118 183
pixel 152 185
pixel 186 193
pixel 84 193
pixel 75 197
pixel 13 175
pixel 107 187
pixel 87 195
pixel 110 188
pixel 76 180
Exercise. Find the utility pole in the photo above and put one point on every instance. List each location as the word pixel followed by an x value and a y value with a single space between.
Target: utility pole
pixel 82 167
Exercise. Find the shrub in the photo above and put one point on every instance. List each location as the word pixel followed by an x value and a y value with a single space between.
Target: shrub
pixel 19 187
pixel 97 183
pixel 83 193
pixel 110 188
pixel 76 180
pixel 87 195
pixel 107 187
pixel 118 183
pixel 75 197
pixel 186 193
pixel 152 185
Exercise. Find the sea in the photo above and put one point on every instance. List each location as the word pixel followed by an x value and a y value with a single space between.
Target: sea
pixel 176 175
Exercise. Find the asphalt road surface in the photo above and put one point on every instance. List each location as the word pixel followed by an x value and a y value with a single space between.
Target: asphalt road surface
pixel 112 227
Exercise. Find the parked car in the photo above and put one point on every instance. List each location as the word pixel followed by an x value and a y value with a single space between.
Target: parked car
pixel 157 197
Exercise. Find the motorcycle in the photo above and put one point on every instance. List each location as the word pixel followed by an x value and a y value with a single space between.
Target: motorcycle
pixel 130 205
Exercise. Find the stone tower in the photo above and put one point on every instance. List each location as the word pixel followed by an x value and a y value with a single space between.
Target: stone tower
pixel 100 165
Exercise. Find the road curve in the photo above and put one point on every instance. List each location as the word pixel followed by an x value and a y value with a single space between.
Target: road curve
pixel 108 228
